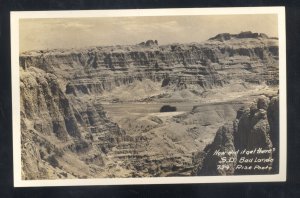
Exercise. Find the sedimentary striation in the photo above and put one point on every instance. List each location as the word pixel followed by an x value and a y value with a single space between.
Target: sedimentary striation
pixel 254 128
pixel 53 124
pixel 247 56
pixel 67 133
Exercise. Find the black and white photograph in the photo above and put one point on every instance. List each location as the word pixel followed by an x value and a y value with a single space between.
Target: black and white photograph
pixel 149 96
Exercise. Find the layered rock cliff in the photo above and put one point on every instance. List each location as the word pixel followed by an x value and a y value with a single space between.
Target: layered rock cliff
pixel 53 124
pixel 248 57
pixel 253 131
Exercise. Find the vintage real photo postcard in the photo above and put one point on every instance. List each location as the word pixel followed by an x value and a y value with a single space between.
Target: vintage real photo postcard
pixel 110 97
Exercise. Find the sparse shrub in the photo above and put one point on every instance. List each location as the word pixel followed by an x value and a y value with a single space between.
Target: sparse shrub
pixel 65 175
pixel 167 108
pixel 58 152
pixel 53 161
pixel 42 154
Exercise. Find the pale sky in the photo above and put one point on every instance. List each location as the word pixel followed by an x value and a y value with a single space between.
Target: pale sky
pixel 36 34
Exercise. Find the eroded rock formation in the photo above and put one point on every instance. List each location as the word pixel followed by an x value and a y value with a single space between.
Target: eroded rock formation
pixel 53 124
pixel 66 133
pixel 253 129
pixel 247 56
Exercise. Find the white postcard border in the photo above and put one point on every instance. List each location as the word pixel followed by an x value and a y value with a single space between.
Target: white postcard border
pixel 16 16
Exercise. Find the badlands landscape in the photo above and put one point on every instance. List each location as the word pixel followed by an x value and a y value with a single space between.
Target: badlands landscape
pixel 148 110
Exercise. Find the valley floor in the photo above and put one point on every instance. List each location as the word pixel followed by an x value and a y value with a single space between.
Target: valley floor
pixel 170 139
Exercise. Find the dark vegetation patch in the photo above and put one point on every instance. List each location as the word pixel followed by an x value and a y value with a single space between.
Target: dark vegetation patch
pixel 167 108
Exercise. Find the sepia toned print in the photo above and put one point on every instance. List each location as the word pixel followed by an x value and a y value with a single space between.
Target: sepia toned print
pixel 163 96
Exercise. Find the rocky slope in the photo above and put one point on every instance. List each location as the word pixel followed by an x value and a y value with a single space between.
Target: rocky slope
pixel 253 129
pixel 67 133
pixel 54 125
